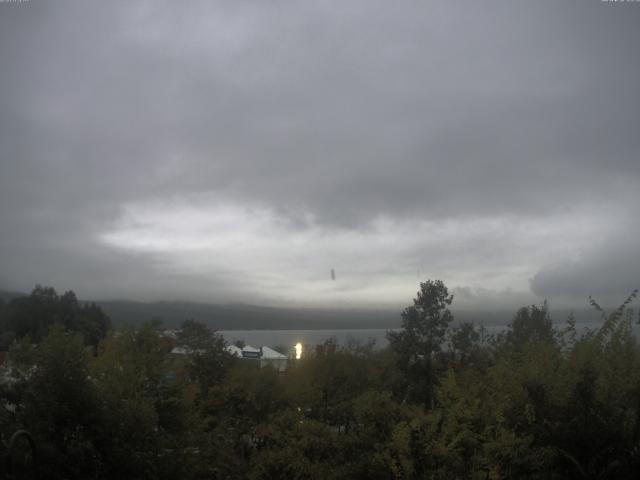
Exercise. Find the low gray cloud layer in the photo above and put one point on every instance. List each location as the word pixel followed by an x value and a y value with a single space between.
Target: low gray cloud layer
pixel 239 150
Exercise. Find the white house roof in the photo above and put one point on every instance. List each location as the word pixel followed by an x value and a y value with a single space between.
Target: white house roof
pixel 184 350
pixel 180 350
pixel 170 333
pixel 264 352
pixel 270 353
pixel 235 351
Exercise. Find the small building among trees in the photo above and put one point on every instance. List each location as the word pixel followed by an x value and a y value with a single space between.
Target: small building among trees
pixel 265 355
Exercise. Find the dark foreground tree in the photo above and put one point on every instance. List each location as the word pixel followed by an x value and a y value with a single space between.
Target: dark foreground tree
pixel 36 313
pixel 530 324
pixel 424 325
pixel 60 406
pixel 208 359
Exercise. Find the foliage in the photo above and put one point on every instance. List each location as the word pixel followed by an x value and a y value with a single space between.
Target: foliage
pixel 59 405
pixel 35 314
pixel 438 403
pixel 417 345
pixel 531 323
pixel 207 359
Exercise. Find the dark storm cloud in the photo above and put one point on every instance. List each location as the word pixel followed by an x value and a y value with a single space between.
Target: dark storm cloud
pixel 609 272
pixel 330 114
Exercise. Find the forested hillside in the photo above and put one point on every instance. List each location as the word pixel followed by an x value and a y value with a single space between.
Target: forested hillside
pixel 123 313
pixel 247 317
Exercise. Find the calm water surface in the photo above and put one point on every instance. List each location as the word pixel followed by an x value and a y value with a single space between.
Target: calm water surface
pixel 288 338
pixel 277 338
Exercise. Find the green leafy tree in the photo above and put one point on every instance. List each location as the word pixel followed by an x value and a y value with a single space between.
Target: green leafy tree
pixel 36 313
pixel 33 315
pixel 60 406
pixel 466 348
pixel 530 324
pixel 195 335
pixel 418 343
pixel 128 375
pixel 207 359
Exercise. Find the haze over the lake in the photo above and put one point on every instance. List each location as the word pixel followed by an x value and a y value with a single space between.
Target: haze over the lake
pixel 240 150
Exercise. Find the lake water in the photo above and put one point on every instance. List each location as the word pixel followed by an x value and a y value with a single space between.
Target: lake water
pixel 288 338
pixel 279 338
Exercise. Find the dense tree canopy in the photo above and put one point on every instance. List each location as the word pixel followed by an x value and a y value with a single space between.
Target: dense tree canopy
pixel 419 342
pixel 36 313
pixel 444 400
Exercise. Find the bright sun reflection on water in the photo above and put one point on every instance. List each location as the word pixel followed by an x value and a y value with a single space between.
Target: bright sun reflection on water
pixel 298 350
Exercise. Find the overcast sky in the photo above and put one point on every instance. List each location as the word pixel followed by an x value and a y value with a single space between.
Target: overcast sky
pixel 239 150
